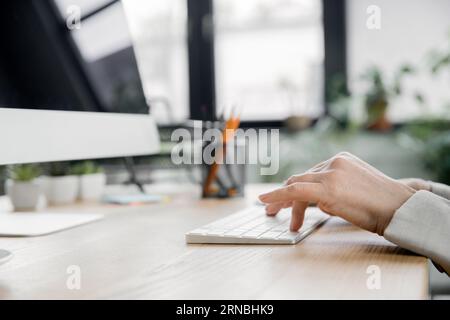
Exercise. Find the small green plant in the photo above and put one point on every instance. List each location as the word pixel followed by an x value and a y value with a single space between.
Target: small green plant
pixel 23 172
pixel 380 94
pixel 439 59
pixel 85 167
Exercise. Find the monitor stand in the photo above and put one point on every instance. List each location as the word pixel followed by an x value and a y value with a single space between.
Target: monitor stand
pixel 133 179
pixel 5 256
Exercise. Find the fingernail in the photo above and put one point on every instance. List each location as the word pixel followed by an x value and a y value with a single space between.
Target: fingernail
pixel 270 211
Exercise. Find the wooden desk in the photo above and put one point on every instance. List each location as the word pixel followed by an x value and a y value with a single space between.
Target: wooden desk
pixel 140 253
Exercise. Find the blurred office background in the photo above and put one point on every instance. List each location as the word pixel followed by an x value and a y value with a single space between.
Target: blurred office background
pixel 369 77
pixel 312 68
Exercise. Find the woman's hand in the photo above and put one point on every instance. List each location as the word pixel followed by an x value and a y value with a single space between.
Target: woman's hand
pixel 343 186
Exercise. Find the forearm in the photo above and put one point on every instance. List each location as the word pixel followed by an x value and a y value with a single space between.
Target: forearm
pixel 422 225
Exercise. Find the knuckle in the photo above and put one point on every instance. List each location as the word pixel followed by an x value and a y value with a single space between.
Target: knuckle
pixel 338 161
pixel 295 187
pixel 345 154
pixel 292 179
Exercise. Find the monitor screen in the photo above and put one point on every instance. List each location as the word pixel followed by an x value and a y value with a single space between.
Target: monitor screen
pixel 43 64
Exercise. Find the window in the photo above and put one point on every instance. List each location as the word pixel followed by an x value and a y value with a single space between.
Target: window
pixel 269 57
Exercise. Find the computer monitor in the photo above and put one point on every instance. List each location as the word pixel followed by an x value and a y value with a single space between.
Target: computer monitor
pixel 54 105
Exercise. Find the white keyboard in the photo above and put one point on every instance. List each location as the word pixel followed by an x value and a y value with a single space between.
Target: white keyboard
pixel 253 226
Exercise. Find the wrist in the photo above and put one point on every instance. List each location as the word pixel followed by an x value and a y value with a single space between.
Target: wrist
pixel 403 194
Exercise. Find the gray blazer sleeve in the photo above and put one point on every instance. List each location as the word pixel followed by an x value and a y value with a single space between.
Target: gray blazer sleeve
pixel 422 225
pixel 440 189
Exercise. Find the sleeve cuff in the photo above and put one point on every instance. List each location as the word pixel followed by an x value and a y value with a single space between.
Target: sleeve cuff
pixel 440 189
pixel 422 225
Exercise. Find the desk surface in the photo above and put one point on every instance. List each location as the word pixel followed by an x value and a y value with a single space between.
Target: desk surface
pixel 140 253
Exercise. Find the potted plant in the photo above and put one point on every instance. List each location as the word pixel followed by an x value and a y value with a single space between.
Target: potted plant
pixel 61 186
pixel 22 188
pixel 92 180
pixel 380 94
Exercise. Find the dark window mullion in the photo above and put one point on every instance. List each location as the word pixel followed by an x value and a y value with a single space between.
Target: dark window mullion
pixel 201 60
pixel 335 31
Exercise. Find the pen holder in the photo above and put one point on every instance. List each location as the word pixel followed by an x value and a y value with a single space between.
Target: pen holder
pixel 227 178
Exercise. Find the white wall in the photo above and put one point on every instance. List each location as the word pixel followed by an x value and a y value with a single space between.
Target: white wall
pixel 409 29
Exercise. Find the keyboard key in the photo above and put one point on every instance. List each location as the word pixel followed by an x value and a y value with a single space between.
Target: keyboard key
pixel 252 234
pixel 254 226
pixel 234 233
pixel 289 235
pixel 216 232
pixel 270 235
pixel 251 225
pixel 199 232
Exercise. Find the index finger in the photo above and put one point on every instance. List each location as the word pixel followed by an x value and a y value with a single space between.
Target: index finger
pixel 298 215
pixel 302 191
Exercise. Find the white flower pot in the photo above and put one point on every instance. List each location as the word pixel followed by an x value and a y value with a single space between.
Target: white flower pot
pixel 92 186
pixel 61 190
pixel 24 196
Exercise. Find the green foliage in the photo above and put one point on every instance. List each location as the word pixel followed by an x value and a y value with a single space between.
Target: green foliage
pixel 23 172
pixel 376 97
pixel 440 62
pixel 337 88
pixel 439 59
pixel 437 156
pixel 58 169
pixel 397 87
pixel 86 167
pixel 425 130
pixel 435 137
pixel 339 99
pixel 380 93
